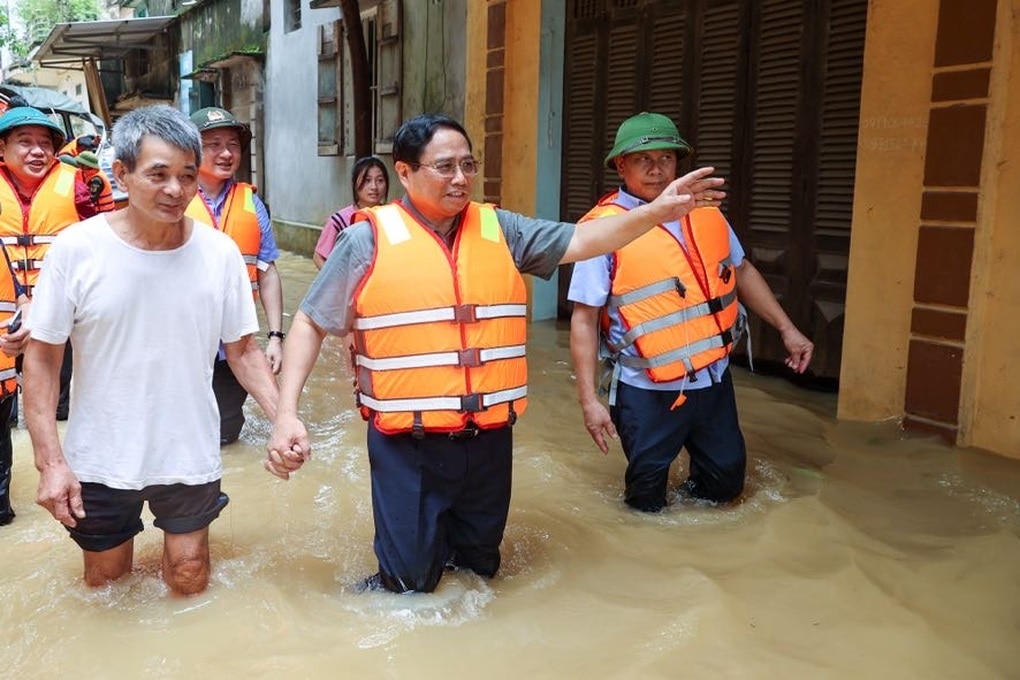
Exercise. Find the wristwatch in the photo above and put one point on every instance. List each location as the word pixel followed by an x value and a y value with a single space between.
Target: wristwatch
pixel 276 334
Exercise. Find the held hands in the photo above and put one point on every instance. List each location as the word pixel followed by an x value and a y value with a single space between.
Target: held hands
pixel 696 189
pixel 598 423
pixel 288 447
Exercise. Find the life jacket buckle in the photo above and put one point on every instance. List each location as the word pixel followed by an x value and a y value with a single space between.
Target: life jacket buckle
pixel 680 287
pixel 25 239
pixel 471 403
pixel 469 358
pixel 465 313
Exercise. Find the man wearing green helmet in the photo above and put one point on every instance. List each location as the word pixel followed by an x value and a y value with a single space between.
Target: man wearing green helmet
pixel 235 208
pixel 663 314
pixel 39 197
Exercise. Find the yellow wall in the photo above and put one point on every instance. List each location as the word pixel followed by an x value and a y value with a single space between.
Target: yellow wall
pixel 520 122
pixel 474 95
pixel 990 400
pixel 895 97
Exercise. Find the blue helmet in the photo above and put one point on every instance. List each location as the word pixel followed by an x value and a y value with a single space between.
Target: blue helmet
pixel 26 115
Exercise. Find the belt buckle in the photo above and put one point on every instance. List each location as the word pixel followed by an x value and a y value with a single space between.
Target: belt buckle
pixel 469 432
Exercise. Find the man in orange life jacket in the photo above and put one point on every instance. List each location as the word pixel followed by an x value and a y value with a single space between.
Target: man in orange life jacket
pixel 12 297
pixel 39 197
pixel 666 309
pixel 236 209
pixel 431 288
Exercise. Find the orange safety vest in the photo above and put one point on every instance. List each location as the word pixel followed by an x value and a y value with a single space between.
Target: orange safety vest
pixel 678 307
pixel 8 305
pixel 438 335
pixel 28 236
pixel 239 221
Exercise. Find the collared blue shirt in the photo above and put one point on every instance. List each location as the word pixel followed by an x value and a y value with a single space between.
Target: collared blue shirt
pixel 590 285
pixel 268 252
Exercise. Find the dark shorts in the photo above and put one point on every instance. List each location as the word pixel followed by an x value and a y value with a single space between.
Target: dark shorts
pixel 114 516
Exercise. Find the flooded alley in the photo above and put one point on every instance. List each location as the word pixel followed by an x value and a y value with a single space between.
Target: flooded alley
pixel 855 552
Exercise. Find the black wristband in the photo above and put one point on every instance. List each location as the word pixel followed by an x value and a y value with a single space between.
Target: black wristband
pixel 276 334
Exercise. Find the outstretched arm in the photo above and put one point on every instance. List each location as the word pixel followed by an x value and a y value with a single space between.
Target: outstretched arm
pixel 693 190
pixel 753 290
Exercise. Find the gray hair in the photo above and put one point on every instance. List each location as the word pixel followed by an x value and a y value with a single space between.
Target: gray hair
pixel 161 121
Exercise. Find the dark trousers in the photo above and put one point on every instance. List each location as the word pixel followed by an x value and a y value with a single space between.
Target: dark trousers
pixel 6 459
pixel 652 436
pixel 230 398
pixel 437 500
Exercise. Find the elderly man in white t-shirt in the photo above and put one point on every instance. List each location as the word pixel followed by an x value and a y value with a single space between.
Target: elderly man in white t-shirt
pixel 146 298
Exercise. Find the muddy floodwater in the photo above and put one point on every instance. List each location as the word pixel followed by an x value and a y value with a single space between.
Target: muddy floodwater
pixel 856 552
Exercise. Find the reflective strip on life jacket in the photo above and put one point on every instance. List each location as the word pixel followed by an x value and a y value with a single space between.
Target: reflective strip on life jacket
pixel 469 358
pixel 469 403
pixel 460 313
pixel 28 239
pixel 8 306
pixel 644 292
pixel 683 354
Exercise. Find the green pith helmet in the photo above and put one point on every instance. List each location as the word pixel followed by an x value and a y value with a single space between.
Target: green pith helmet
pixel 88 159
pixel 26 115
pixel 213 117
pixel 647 132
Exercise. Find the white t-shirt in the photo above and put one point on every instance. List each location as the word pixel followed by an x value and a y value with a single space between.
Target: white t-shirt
pixel 145 326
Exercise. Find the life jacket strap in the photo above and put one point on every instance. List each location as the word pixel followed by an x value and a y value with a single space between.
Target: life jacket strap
pixel 647 291
pixel 467 403
pixel 465 358
pixel 467 313
pixel 682 354
pixel 27 240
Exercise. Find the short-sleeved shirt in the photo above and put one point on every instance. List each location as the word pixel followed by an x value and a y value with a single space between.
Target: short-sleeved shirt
pixel 536 245
pixel 590 285
pixel 145 326
pixel 336 223
pixel 268 252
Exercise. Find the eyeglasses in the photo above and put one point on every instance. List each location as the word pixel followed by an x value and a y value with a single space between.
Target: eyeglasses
pixel 646 162
pixel 468 166
pixel 218 147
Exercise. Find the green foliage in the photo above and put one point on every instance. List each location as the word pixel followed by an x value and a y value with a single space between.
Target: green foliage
pixel 40 16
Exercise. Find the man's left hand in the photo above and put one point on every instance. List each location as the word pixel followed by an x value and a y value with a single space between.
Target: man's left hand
pixel 274 355
pixel 799 349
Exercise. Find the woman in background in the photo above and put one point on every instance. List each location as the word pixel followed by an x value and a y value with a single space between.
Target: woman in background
pixel 370 185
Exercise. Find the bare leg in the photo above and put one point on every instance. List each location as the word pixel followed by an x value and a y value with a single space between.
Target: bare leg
pixel 109 565
pixel 186 561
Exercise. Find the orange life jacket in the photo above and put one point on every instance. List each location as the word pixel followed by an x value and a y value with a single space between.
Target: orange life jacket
pixel 678 307
pixel 28 236
pixel 239 221
pixel 438 335
pixel 8 304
